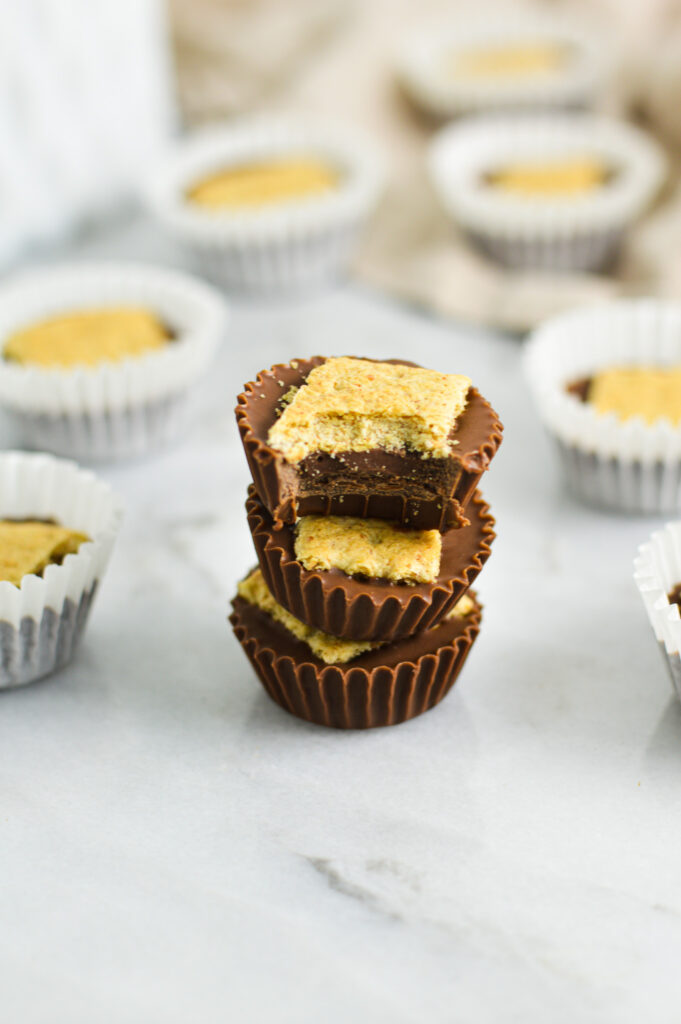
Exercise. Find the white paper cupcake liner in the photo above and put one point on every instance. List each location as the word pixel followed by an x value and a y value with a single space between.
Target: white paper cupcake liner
pixel 624 466
pixel 279 246
pixel 42 621
pixel 657 570
pixel 112 410
pixel 422 67
pixel 568 233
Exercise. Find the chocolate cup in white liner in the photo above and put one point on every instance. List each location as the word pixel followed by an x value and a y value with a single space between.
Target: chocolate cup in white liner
pixel 556 234
pixel 422 67
pixel 657 570
pixel 113 410
pixel 41 621
pixel 626 466
pixel 279 246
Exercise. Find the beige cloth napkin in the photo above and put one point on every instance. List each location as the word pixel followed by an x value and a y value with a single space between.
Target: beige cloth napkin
pixel 336 58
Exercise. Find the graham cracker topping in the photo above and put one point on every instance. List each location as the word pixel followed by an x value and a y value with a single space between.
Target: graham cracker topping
pixel 514 60
pixel 328 648
pixel 463 608
pixel 357 405
pixel 368 547
pixel 652 392
pixel 87 338
pixel 256 184
pixel 29 547
pixel 568 177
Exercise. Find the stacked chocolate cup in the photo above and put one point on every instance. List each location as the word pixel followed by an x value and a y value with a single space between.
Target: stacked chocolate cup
pixel 358 614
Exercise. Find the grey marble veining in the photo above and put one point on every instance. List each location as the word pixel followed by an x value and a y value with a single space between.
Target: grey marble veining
pixel 176 848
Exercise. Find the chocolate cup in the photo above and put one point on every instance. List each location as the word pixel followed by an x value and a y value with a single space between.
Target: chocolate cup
pixel 382 687
pixel 383 489
pixel 361 609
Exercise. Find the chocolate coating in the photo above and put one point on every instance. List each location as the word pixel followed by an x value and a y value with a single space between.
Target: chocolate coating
pixel 382 687
pixel 422 493
pixel 368 609
pixel 580 388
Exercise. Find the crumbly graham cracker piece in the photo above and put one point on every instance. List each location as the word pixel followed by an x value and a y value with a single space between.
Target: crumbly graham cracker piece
pixel 329 649
pixel 256 184
pixel 29 547
pixel 357 405
pixel 652 392
pixel 87 338
pixel 368 547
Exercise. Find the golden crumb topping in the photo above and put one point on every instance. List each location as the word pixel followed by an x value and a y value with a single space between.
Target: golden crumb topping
pixel 329 649
pixel 463 608
pixel 256 184
pixel 28 547
pixel 569 177
pixel 355 405
pixel 368 547
pixel 515 60
pixel 87 338
pixel 652 392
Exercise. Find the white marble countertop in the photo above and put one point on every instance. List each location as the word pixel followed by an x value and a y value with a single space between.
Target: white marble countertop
pixel 176 848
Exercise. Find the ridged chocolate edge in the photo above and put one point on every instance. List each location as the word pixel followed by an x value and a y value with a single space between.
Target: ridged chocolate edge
pixel 265 466
pixel 354 698
pixel 328 606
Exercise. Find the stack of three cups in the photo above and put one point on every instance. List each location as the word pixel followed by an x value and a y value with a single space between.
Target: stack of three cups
pixel 369 531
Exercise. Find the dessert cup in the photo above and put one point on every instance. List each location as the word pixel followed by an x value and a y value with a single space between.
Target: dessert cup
pixel 384 686
pixel 275 247
pixel 42 620
pixel 112 410
pixel 559 233
pixel 426 68
pixel 627 466
pixel 380 486
pixel 359 609
pixel 657 570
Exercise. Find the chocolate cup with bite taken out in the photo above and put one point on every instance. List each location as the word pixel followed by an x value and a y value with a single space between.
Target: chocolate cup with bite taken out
pixel 425 494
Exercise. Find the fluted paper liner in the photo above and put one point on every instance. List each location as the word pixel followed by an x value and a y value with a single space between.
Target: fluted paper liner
pixel 629 466
pixel 657 570
pixel 279 245
pixel 562 233
pixel 378 610
pixel 42 621
pixel 117 409
pixel 364 693
pixel 268 466
pixel 423 65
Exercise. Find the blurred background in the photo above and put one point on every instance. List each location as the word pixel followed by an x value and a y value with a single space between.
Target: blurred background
pixel 94 92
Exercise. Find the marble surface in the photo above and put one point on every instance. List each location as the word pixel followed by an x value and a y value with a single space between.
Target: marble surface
pixel 176 848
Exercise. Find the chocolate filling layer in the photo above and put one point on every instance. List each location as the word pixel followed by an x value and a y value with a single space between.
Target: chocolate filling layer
pixel 580 388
